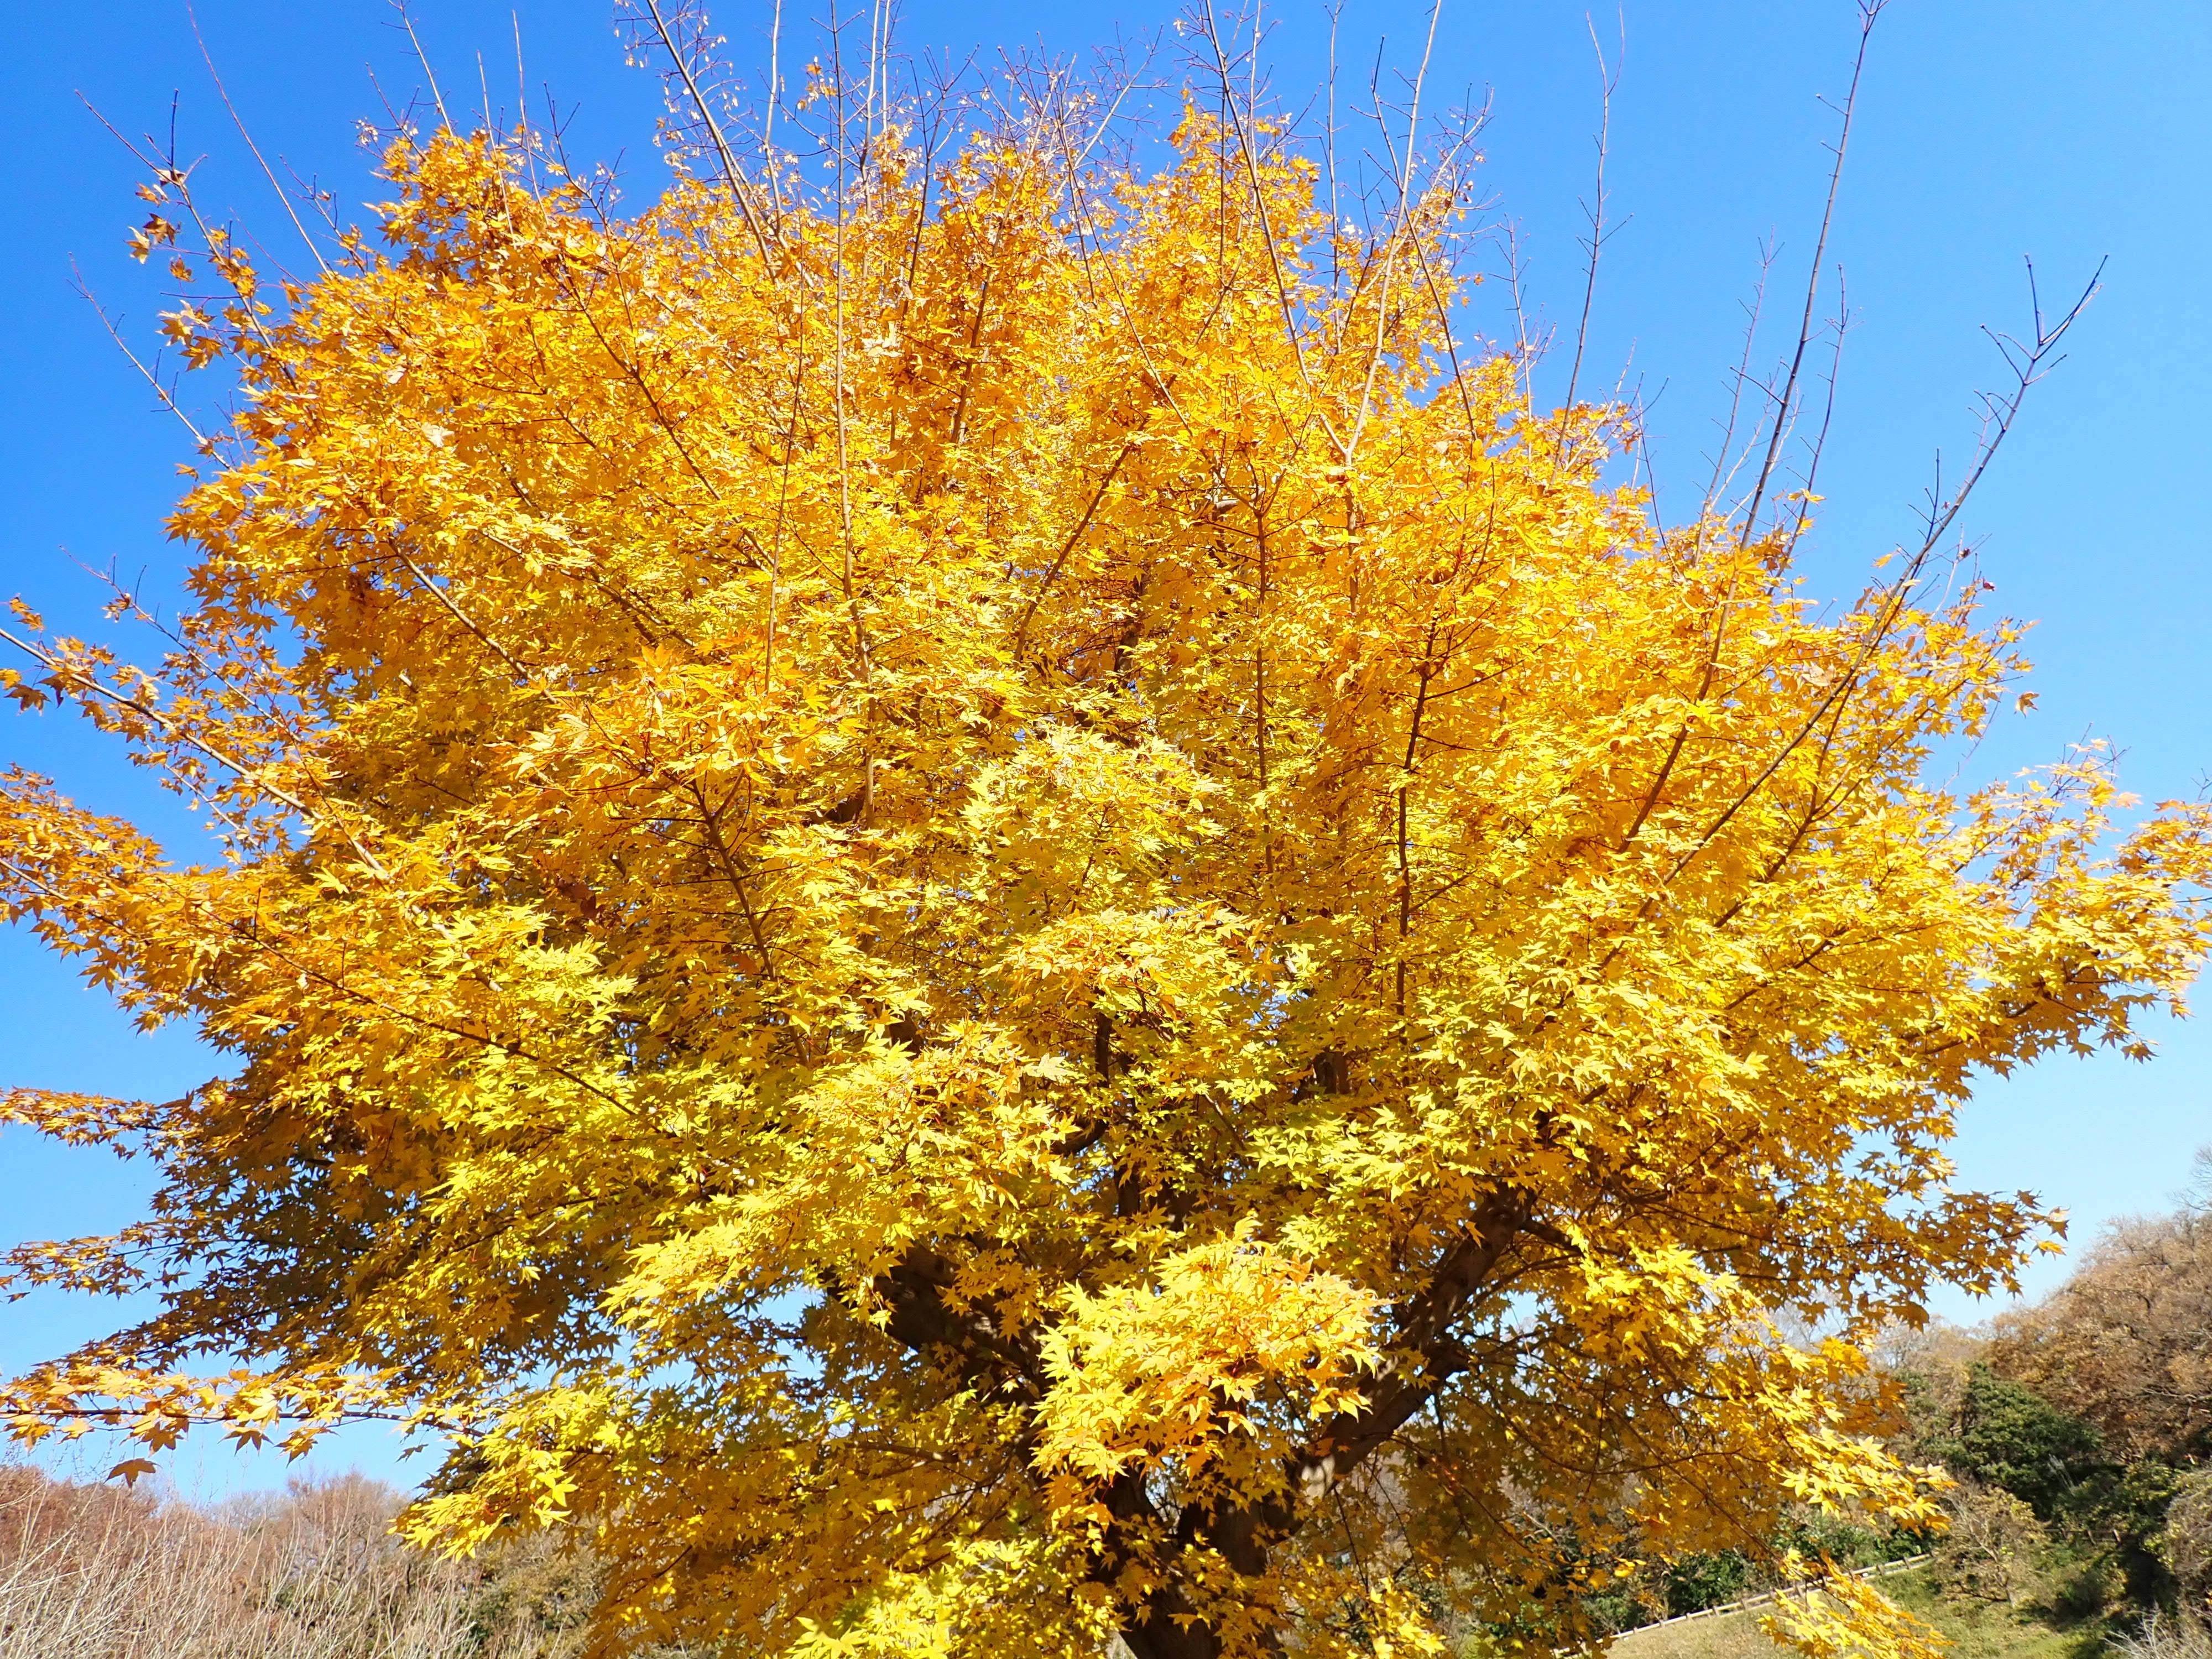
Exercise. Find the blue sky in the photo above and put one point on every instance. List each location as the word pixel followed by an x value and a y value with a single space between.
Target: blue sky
pixel 1988 130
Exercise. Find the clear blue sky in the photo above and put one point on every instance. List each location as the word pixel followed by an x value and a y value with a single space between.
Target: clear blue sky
pixel 1989 129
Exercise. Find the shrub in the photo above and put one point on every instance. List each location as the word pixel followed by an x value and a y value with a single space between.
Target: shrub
pixel 1994 1549
pixel 2166 1636
pixel 92 1571
pixel 2188 1541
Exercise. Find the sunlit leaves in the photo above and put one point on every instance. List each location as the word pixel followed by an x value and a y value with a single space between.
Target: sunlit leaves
pixel 999 920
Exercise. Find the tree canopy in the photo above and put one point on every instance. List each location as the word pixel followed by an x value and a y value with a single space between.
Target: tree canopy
pixel 994 909
pixel 2126 1342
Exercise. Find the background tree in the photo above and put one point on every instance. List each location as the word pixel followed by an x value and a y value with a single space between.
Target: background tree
pixel 2009 1436
pixel 2189 1543
pixel 2088 1406
pixel 986 907
pixel 1991 1548
pixel 2126 1341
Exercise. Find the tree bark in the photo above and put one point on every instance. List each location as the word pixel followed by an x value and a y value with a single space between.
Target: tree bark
pixel 1423 1355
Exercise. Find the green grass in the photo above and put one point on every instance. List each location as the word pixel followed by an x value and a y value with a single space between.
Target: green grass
pixel 1976 1631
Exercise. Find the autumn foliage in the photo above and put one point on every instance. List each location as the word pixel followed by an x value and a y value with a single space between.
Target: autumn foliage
pixel 999 911
pixel 2126 1343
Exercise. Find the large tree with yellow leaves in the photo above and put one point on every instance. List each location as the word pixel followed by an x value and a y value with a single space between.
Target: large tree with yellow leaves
pixel 985 910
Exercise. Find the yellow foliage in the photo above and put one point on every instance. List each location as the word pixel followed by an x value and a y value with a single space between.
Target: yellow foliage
pixel 1006 917
pixel 1178 1371
pixel 1842 1618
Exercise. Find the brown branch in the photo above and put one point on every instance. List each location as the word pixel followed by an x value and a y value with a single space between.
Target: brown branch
pixel 1869 12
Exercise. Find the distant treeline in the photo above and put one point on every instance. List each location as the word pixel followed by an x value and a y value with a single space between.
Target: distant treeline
pixel 100 1571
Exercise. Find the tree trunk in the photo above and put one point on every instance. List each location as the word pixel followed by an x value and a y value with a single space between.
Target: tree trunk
pixel 1166 1625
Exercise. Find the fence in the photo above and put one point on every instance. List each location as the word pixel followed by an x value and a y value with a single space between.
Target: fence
pixel 1880 1570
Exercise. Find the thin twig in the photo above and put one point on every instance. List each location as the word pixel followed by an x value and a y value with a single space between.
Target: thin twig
pixel 168 397
pixel 1609 83
pixel 221 91
pixel 422 58
pixel 1869 12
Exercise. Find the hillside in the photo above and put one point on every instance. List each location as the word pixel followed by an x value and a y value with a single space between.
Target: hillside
pixel 1979 1631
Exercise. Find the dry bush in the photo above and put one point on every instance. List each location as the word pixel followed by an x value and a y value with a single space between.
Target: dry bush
pixel 91 1572
pixel 2189 1541
pixel 2165 1636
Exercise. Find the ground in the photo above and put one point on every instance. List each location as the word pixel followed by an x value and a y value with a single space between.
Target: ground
pixel 1976 1631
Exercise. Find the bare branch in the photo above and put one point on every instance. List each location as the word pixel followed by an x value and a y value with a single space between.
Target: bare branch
pixel 1869 13
pixel 223 92
pixel 1608 82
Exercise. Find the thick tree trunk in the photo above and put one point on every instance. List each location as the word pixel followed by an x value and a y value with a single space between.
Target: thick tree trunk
pixel 1158 1637
pixel 1166 1625
pixel 1005 1365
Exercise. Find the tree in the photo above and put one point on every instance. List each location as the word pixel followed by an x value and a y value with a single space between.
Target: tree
pixel 2188 1541
pixel 2126 1342
pixel 2015 1439
pixel 1992 1548
pixel 985 908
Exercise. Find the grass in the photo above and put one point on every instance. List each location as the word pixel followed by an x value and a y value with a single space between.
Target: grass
pixel 1977 1629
